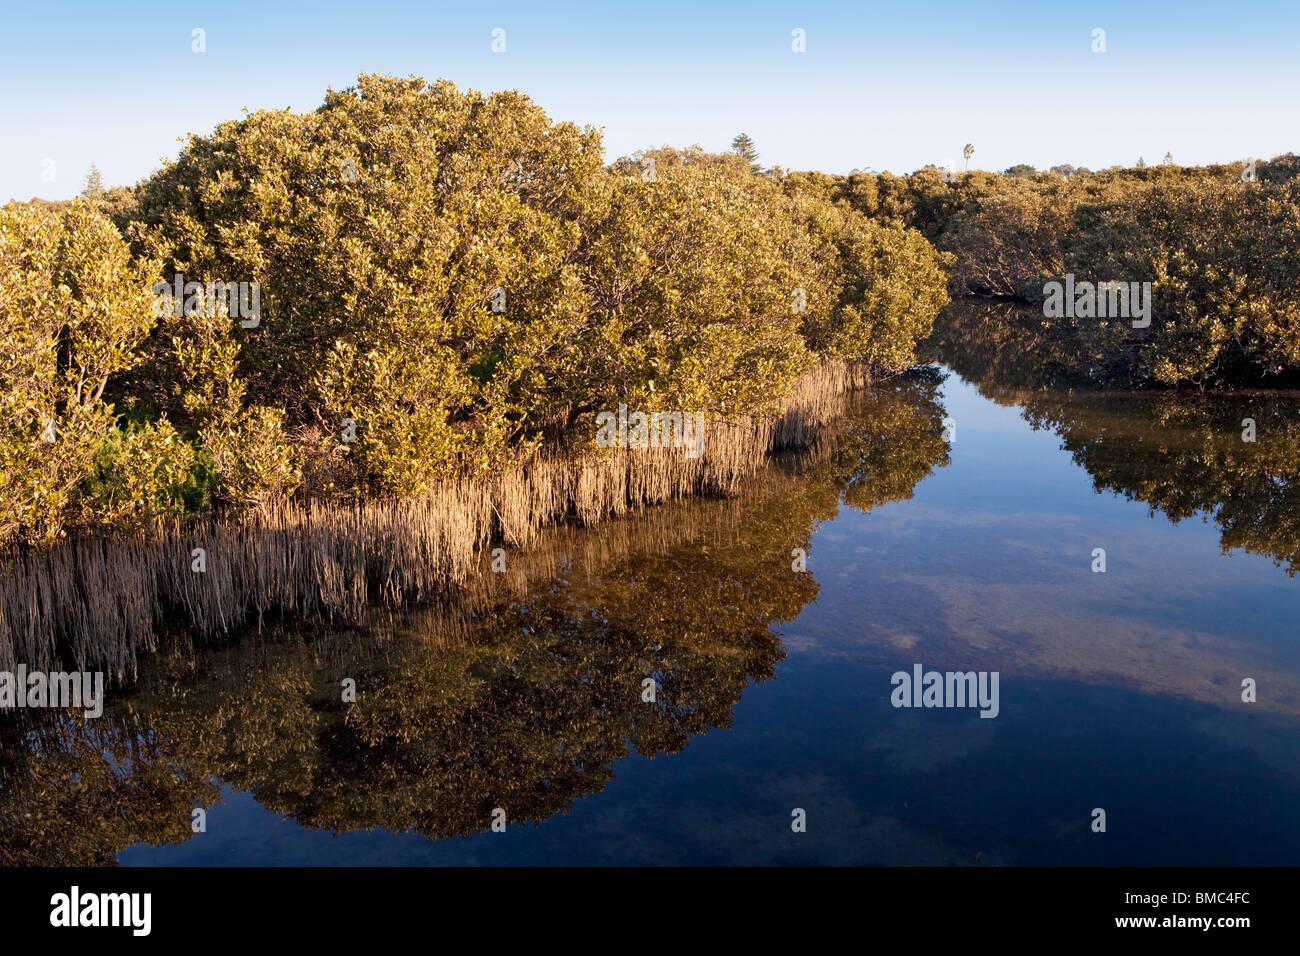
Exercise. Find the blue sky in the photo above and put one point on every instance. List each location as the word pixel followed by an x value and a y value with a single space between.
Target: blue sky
pixel 887 86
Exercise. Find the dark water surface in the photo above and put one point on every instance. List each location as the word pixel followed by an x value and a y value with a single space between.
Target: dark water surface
pixel 1119 690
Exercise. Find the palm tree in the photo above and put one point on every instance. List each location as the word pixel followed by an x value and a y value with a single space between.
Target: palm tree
pixel 967 152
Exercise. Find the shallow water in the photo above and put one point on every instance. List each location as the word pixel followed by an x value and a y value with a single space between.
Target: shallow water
pixel 970 551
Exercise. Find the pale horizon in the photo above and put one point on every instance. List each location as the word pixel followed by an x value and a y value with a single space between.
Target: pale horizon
pixel 888 90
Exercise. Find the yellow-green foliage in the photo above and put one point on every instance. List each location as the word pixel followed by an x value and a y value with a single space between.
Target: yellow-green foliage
pixel 1220 249
pixel 379 227
pixel 693 272
pixel 73 306
pixel 447 281
pixel 250 450
pixel 1224 260
pixel 886 284
pixel 459 276
pixel 140 474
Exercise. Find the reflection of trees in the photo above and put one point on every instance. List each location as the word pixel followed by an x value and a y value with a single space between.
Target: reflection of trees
pixel 881 454
pixel 75 792
pixel 1003 345
pixel 1181 453
pixel 1186 457
pixel 521 694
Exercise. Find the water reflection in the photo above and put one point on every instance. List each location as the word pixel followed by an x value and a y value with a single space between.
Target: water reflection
pixel 1181 453
pixel 523 693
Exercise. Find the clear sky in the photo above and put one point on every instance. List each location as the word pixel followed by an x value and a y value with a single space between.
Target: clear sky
pixel 881 85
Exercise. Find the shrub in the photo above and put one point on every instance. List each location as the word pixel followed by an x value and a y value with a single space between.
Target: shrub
pixel 72 310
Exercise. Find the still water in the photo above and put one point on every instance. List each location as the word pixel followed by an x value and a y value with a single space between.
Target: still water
pixel 950 520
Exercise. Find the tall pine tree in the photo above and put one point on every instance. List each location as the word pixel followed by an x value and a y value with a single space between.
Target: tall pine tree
pixel 94 185
pixel 742 145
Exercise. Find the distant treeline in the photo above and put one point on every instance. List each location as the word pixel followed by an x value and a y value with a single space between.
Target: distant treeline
pixel 1220 245
pixel 445 282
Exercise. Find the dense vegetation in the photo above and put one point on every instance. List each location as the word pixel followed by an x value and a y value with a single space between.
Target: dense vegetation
pixel 448 281
pixel 1220 245
pixel 521 694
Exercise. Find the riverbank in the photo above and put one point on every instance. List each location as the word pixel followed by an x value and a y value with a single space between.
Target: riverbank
pixel 99 603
